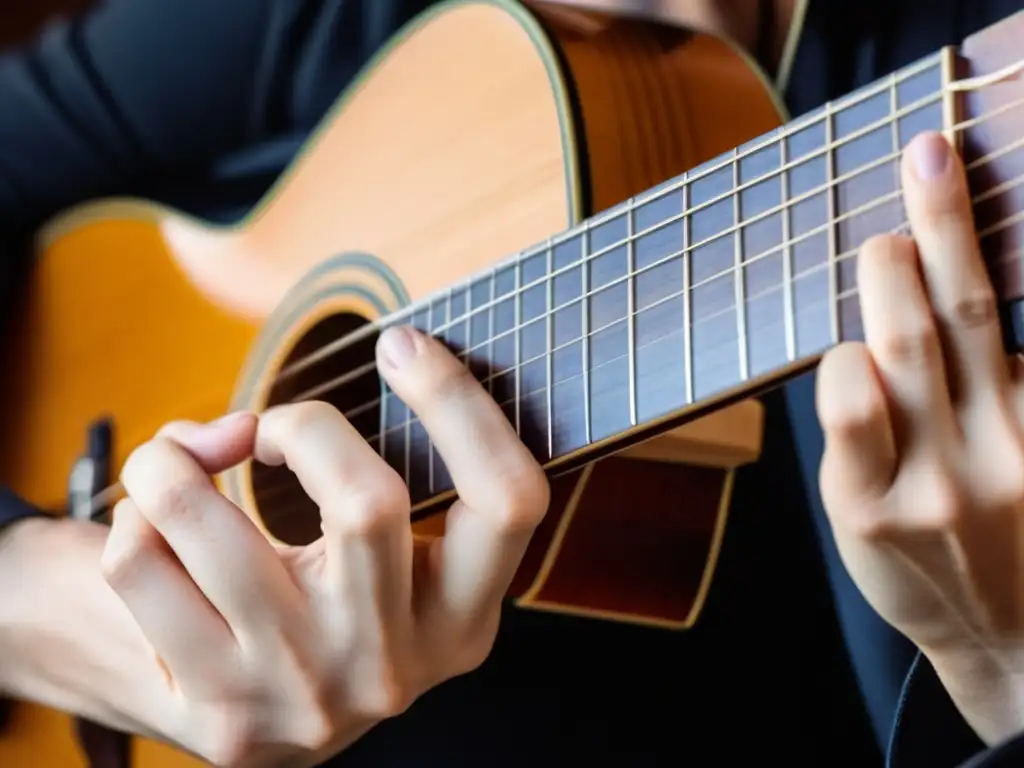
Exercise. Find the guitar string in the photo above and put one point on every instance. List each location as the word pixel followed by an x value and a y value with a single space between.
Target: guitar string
pixel 829 111
pixel 838 259
pixel 445 294
pixel 785 245
pixel 106 496
pixel 811 307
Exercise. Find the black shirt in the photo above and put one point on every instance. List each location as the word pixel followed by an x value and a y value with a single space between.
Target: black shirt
pixel 201 104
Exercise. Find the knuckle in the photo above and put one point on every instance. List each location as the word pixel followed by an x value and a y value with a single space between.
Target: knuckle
pixel 888 251
pixel 121 561
pixel 162 482
pixel 300 418
pixel 374 508
pixel 525 500
pixel 317 730
pixel 454 383
pixel 912 346
pixel 234 737
pixel 869 525
pixel 855 417
pixel 386 701
pixel 151 459
pixel 388 695
pixel 1008 490
pixel 945 505
pixel 177 502
pixel 1002 486
pixel 976 310
pixel 120 567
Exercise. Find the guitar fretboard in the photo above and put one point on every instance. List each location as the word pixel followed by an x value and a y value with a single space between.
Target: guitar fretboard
pixel 725 276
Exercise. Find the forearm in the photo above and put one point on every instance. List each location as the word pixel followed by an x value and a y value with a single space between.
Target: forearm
pixel 66 640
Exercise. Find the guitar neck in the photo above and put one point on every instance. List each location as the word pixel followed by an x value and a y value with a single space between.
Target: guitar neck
pixel 712 286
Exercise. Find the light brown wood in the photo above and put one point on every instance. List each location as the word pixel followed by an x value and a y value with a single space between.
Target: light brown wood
pixel 734 20
pixel 454 151
pixel 727 438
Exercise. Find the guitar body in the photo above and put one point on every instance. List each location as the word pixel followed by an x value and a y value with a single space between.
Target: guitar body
pixel 484 128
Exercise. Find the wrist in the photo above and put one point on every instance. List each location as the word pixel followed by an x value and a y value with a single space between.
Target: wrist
pixel 66 640
pixel 987 687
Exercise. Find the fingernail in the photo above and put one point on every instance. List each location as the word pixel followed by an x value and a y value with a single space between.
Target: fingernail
pixel 398 346
pixel 931 156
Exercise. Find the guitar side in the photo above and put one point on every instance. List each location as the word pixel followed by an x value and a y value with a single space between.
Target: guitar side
pixel 525 122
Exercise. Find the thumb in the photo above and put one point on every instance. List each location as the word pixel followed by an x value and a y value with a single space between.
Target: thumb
pixel 216 445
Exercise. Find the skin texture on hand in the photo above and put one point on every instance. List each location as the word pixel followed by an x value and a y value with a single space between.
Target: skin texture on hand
pixel 251 654
pixel 66 640
pixel 923 471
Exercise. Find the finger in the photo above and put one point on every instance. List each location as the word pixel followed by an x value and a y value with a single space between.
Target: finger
pixel 859 463
pixel 503 491
pixel 940 212
pixel 221 549
pixel 904 341
pixel 364 505
pixel 187 634
pixel 216 446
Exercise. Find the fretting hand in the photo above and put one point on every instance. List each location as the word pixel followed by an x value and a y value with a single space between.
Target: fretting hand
pixel 267 656
pixel 923 473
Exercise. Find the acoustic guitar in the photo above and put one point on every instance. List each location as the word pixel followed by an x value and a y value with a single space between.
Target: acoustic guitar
pixel 612 221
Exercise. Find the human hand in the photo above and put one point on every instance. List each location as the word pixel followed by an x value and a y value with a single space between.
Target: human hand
pixel 285 655
pixel 923 472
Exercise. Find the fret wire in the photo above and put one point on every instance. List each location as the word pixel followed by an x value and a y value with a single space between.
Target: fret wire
pixel 790 129
pixel 803 196
pixel 631 316
pixel 585 325
pixel 860 170
pixel 518 310
pixel 741 313
pixel 687 260
pixel 831 265
pixel 787 131
pixel 550 345
pixel 893 107
pixel 808 308
pixel 382 430
pixel 832 224
pixel 687 257
pixel 853 253
pixel 430 442
pixel 686 254
pixel 409 444
pixel 492 291
pixel 789 313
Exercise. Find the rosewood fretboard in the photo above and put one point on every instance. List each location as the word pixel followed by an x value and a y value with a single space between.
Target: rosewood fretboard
pixel 711 286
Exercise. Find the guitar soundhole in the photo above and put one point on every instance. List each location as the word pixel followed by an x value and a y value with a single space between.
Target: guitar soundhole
pixel 345 378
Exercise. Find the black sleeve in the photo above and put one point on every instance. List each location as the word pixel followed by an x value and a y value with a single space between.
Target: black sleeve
pixel 14 508
pixel 929 731
pixel 153 99
pixel 137 96
pixel 121 100
pixel 116 102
